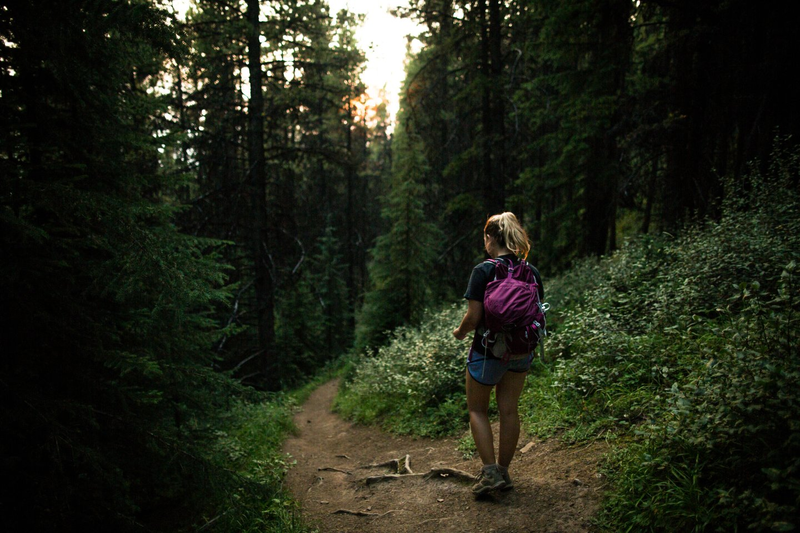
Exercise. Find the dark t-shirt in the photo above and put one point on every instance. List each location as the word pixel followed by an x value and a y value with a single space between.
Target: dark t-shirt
pixel 481 275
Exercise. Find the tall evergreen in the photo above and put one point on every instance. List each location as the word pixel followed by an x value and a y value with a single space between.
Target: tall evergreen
pixel 581 70
pixel 592 120
pixel 107 336
pixel 402 270
pixel 261 247
pixel 314 147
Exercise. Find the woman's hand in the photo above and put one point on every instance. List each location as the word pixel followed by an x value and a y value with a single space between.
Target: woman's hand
pixel 471 319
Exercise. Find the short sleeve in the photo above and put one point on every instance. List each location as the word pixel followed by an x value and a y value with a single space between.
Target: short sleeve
pixel 481 275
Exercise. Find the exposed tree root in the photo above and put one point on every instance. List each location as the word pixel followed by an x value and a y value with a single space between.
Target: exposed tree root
pixel 331 469
pixel 354 513
pixel 451 472
pixel 402 469
pixel 438 473
pixel 406 469
pixel 435 520
pixel 399 466
pixel 390 464
pixel 388 477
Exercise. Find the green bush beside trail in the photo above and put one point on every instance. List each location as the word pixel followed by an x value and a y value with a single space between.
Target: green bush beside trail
pixel 686 350
pixel 681 351
pixel 245 464
pixel 414 384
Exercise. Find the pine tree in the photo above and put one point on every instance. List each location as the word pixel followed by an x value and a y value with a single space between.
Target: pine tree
pixel 314 147
pixel 403 260
pixel 111 320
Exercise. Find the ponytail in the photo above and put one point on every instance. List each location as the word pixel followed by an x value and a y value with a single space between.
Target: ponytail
pixel 507 231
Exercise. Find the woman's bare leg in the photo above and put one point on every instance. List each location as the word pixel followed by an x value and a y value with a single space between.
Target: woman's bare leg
pixel 478 405
pixel 507 393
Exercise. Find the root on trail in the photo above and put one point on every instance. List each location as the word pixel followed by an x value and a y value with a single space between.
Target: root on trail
pixel 331 469
pixel 402 471
pixel 439 473
pixel 364 513
pixel 395 465
pixel 451 472
pixel 354 513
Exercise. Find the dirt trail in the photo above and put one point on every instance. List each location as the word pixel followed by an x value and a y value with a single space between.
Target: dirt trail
pixel 557 488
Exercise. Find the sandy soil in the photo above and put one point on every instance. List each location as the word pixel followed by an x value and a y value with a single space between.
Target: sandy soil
pixel 557 487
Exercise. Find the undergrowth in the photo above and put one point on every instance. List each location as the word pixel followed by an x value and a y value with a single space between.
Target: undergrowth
pixel 685 350
pixel 681 351
pixel 246 447
pixel 415 383
pixel 248 467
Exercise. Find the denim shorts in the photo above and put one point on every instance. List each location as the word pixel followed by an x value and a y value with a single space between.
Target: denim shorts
pixel 489 370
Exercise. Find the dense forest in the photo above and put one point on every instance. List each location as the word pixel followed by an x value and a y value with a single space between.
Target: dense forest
pixel 198 214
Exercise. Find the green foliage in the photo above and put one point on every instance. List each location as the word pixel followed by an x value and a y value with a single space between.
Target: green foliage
pixel 311 318
pixel 543 407
pixel 402 264
pixel 245 448
pixel 590 120
pixel 318 188
pixel 688 346
pixel 737 414
pixel 466 445
pixel 413 384
pixel 107 377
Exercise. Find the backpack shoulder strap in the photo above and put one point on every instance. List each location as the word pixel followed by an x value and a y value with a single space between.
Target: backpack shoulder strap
pixel 534 273
pixel 494 263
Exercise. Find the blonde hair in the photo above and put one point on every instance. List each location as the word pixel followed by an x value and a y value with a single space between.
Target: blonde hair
pixel 506 230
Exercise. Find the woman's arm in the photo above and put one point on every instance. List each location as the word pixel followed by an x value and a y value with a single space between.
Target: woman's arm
pixel 471 319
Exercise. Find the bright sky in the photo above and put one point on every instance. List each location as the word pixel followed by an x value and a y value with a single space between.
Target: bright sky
pixel 383 39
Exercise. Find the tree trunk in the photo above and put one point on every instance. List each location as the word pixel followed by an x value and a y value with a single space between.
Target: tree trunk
pixel 349 224
pixel 258 190
pixel 487 124
pixel 498 111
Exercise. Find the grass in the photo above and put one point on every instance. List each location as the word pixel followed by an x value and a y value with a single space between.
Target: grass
pixel 246 447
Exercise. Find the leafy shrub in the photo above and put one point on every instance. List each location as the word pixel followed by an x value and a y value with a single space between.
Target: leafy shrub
pixel 248 469
pixel 688 346
pixel 415 383
pixel 732 425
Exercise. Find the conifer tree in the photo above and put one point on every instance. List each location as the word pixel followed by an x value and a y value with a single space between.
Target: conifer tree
pixel 312 319
pixel 111 324
pixel 314 147
pixel 330 291
pixel 403 261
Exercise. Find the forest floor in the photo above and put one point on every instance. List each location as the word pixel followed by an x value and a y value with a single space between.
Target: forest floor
pixel 557 487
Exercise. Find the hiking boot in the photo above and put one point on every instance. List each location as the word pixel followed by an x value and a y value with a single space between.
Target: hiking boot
pixel 506 478
pixel 489 479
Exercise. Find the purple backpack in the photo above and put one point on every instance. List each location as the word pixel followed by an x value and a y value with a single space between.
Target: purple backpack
pixel 514 315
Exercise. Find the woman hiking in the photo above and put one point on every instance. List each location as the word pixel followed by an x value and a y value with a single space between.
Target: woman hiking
pixel 506 241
